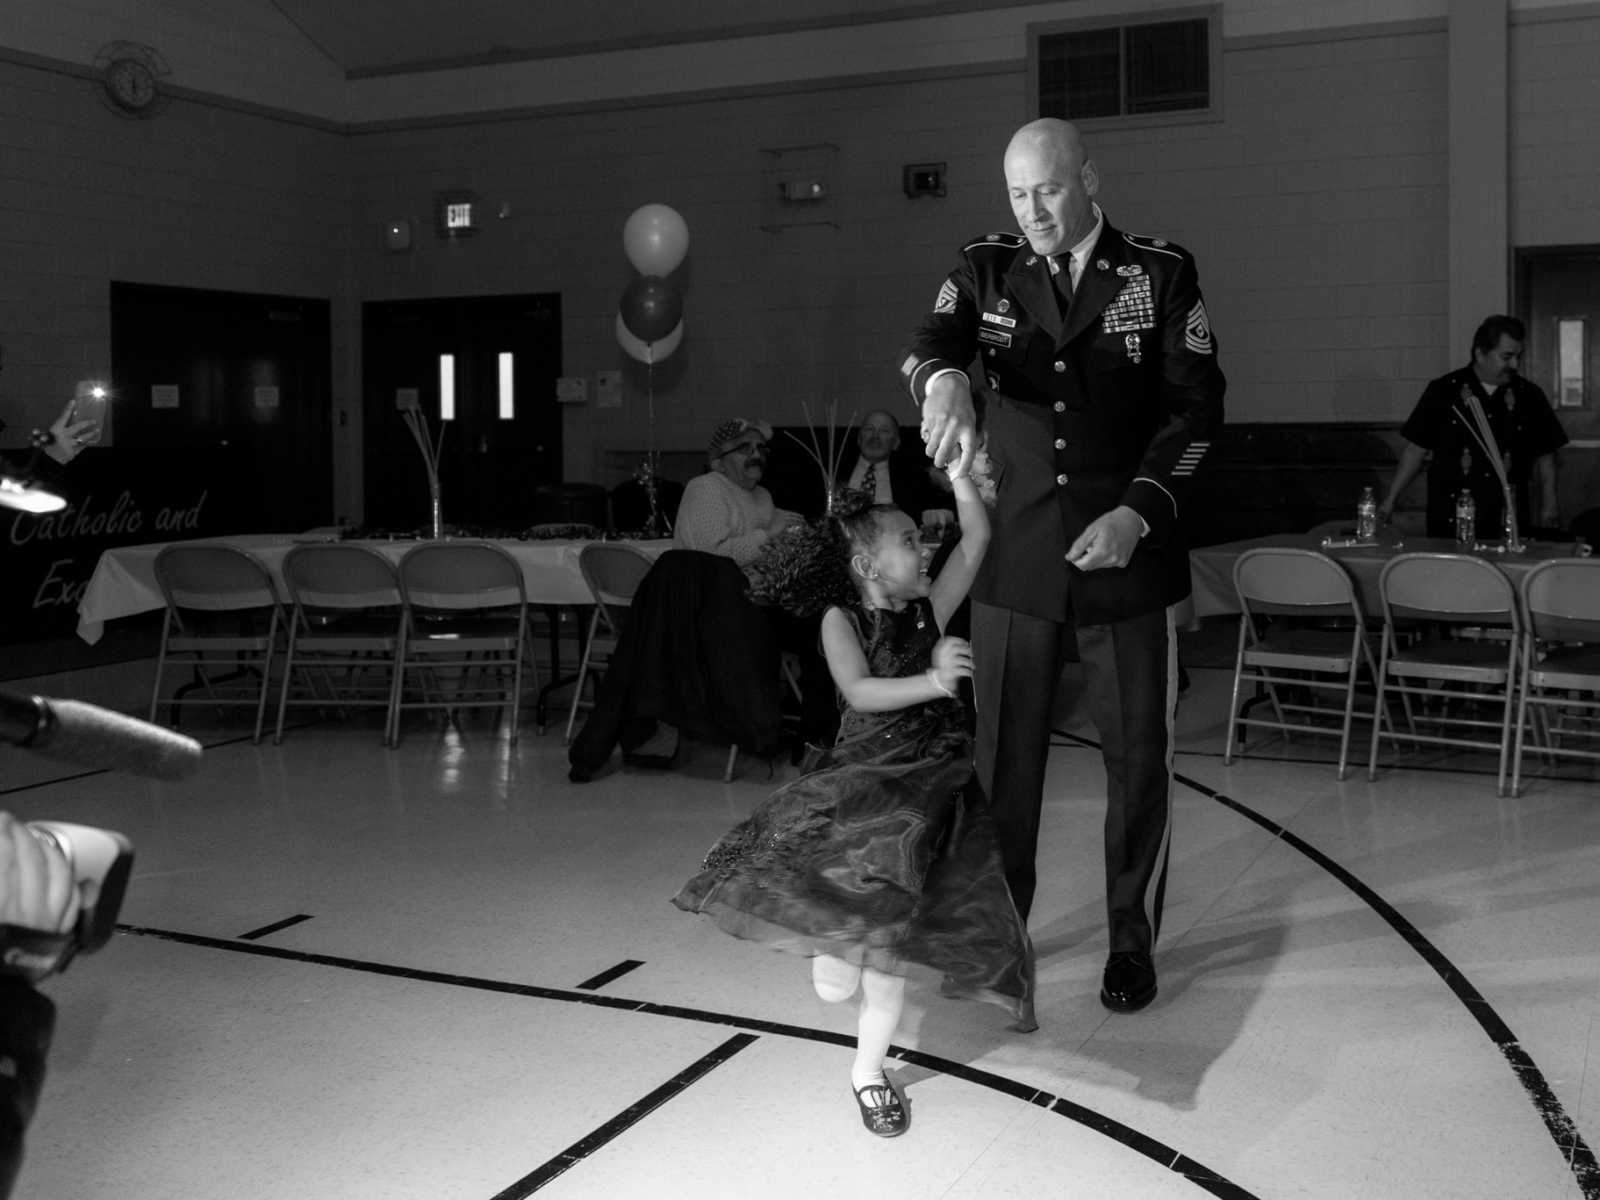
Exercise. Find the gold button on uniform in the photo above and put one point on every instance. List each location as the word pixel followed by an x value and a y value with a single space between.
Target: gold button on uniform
pixel 1060 366
pixel 1062 480
pixel 1061 443
pixel 1061 406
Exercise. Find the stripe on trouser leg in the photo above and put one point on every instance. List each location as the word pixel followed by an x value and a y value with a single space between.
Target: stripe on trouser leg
pixel 1155 889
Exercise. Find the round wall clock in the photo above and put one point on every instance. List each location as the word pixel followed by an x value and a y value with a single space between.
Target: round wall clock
pixel 129 77
pixel 130 84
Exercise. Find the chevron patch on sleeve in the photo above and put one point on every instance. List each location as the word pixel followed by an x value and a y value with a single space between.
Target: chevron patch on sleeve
pixel 946 300
pixel 1197 330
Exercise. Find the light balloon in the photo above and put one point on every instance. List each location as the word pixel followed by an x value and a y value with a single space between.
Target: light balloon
pixel 656 239
pixel 648 353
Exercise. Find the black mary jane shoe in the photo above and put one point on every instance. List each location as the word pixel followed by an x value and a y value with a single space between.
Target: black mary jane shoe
pixel 1129 982
pixel 883 1110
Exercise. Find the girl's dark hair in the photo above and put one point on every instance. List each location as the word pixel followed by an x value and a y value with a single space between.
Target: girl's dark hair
pixel 861 527
pixel 806 568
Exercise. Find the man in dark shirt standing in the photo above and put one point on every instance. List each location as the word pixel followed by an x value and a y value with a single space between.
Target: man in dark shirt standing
pixel 1444 434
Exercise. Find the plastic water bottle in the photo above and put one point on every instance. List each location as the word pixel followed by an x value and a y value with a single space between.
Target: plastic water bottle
pixel 1466 520
pixel 1367 515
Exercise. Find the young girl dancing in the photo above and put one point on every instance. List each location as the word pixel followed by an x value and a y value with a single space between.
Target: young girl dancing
pixel 883 853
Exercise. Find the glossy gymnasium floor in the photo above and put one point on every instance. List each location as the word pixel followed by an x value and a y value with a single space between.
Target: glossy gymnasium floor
pixel 445 973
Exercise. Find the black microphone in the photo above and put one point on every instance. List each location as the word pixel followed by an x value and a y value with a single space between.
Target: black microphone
pixel 81 733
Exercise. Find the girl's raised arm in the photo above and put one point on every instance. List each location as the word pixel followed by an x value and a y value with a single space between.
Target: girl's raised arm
pixel 956 576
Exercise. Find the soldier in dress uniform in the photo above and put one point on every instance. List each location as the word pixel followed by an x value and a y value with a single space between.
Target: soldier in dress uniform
pixel 1102 388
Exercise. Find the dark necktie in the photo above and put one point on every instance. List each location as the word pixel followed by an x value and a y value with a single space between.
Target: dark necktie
pixel 869 482
pixel 1062 278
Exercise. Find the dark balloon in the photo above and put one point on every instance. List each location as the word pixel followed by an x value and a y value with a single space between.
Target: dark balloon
pixel 651 308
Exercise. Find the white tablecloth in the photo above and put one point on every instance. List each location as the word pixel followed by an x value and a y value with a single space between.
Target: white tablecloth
pixel 124 579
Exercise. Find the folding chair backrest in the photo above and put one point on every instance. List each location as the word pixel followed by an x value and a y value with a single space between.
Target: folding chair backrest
pixel 341 577
pixel 613 572
pixel 1285 579
pixel 213 579
pixel 461 575
pixel 1448 587
pixel 1562 600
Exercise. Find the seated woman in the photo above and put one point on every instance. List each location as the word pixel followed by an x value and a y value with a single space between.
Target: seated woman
pixel 726 511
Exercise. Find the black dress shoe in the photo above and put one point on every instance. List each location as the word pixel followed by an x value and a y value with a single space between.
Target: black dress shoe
pixel 1129 982
pixel 883 1110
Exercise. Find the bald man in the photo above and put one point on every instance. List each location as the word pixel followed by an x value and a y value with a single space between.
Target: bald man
pixel 1101 386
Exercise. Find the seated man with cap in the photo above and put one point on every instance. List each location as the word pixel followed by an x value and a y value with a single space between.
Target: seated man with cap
pixel 727 511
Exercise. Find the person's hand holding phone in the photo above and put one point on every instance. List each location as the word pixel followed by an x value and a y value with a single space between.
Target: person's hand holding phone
pixel 80 424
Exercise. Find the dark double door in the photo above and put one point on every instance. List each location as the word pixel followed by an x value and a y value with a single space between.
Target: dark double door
pixel 501 444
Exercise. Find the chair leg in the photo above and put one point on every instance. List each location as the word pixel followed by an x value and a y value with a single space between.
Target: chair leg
pixel 155 690
pixel 733 753
pixel 1377 705
pixel 577 695
pixel 1233 705
pixel 1349 714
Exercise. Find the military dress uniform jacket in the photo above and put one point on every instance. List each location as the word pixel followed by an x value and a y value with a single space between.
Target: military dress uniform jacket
pixel 1113 406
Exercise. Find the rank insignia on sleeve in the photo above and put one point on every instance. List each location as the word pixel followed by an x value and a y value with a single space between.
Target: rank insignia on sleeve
pixel 945 302
pixel 1197 330
pixel 909 367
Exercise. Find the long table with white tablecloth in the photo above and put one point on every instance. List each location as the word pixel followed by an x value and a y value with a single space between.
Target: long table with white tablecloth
pixel 124 579
pixel 1211 567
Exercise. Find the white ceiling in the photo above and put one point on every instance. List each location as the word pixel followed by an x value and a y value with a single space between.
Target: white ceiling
pixel 367 37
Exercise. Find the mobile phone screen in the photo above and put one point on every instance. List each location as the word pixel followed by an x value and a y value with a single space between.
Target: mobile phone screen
pixel 89 403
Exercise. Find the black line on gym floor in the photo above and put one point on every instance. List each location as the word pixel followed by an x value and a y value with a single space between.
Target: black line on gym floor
pixel 596 982
pixel 1562 1129
pixel 274 927
pixel 632 1115
pixel 1179 1164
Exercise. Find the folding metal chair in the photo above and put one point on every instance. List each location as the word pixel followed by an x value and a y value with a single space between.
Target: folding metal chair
pixel 1299 612
pixel 223 612
pixel 1560 661
pixel 1455 676
pixel 613 572
pixel 466 618
pixel 346 617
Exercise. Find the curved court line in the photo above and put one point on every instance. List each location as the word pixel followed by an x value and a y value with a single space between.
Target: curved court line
pixel 1180 1164
pixel 1561 1127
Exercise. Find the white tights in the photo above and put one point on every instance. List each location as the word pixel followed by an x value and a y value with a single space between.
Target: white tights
pixel 882 999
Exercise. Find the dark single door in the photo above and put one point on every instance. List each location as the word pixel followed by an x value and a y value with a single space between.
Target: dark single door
pixel 500 356
pixel 230 386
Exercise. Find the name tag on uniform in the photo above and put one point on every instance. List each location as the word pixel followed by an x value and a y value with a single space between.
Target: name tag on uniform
pixel 994 337
pixel 1003 322
pixel 1134 307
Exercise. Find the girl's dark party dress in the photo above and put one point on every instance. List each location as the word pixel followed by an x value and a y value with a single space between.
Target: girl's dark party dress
pixel 883 853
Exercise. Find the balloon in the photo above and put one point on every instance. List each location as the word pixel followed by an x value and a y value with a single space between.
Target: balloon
pixel 656 239
pixel 651 307
pixel 648 353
